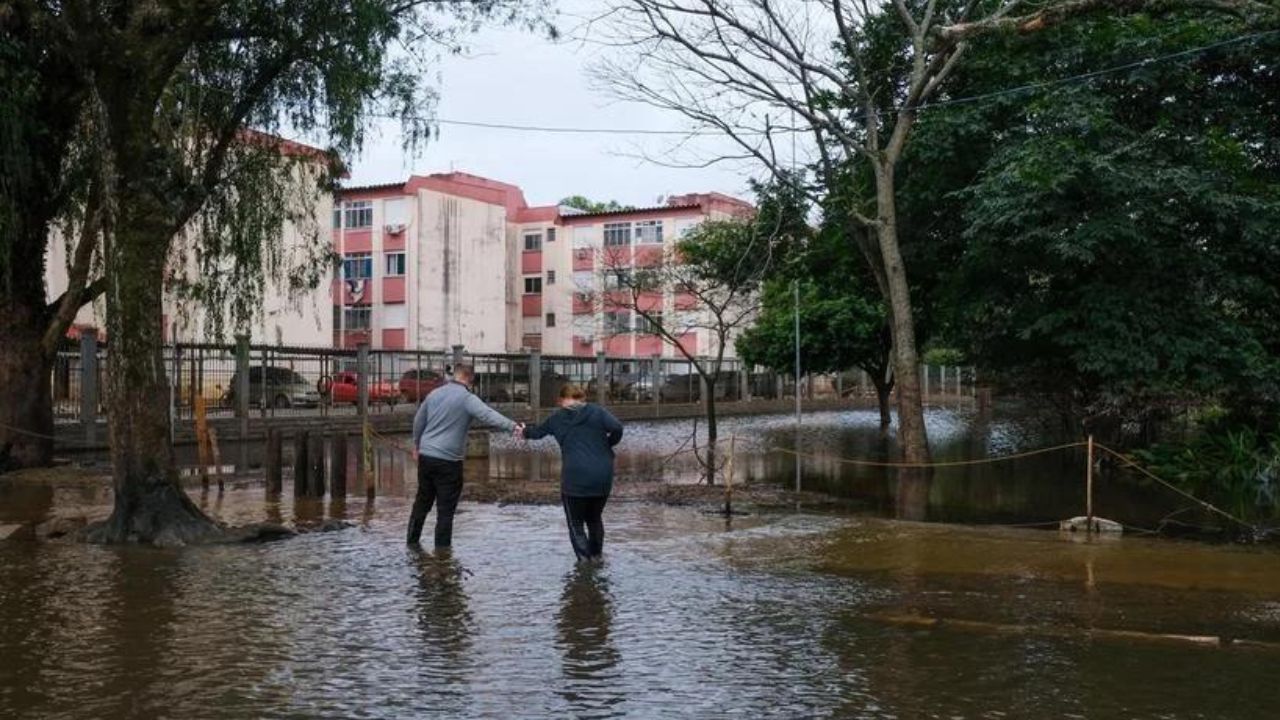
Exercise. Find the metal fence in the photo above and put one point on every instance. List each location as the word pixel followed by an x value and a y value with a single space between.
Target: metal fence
pixel 298 381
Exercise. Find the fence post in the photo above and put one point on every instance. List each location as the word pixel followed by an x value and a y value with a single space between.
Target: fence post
pixel 338 465
pixel 89 384
pixel 602 390
pixel 744 382
pixel 300 465
pixel 457 355
pixel 362 378
pixel 1088 484
pixel 273 462
pixel 242 397
pixel 315 454
pixel 924 372
pixel 658 382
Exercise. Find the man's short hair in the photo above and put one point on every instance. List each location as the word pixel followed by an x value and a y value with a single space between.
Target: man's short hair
pixel 463 372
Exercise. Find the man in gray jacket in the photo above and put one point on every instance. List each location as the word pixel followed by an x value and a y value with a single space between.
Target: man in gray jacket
pixel 440 430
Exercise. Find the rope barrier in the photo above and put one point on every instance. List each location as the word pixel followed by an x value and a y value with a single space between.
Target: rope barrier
pixel 950 463
pixel 1202 503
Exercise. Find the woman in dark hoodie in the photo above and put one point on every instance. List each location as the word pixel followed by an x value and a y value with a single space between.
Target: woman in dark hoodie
pixel 587 434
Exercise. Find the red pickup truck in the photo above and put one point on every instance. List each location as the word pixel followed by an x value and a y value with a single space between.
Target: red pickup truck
pixel 417 384
pixel 346 389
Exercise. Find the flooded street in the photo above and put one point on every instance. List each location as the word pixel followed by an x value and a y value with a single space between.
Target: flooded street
pixel 781 614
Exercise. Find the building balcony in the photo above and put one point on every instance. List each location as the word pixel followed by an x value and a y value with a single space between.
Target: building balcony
pixel 648 345
pixel 583 305
pixel 357 241
pixel 584 259
pixel 531 262
pixel 582 347
pixel 531 305
pixel 618 346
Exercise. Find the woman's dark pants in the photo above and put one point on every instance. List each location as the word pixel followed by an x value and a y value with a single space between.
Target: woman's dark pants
pixel 580 512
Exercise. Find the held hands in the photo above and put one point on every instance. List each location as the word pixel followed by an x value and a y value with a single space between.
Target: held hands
pixel 518 433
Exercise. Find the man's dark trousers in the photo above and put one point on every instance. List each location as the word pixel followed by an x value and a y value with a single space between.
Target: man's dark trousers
pixel 438 480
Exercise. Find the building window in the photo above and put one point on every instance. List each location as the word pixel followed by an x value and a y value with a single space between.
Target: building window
pixel 359 214
pixel 617 323
pixel 619 279
pixel 649 232
pixel 616 234
pixel 357 318
pixel 337 216
pixel 357 267
pixel 532 242
pixel 648 325
pixel 395 264
pixel 551 319
pixel 551 234
pixel 532 286
pixel 551 277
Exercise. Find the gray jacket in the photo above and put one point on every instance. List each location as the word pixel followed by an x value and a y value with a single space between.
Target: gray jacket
pixel 443 419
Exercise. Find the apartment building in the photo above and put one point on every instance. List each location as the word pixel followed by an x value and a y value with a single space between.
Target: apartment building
pixel 286 316
pixel 457 259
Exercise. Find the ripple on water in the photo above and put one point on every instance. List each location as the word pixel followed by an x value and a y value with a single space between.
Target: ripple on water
pixel 683 619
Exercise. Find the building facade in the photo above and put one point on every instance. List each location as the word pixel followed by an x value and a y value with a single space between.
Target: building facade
pixel 457 259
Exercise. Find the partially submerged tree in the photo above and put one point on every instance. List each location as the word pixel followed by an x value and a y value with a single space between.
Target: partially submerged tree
pixel 170 90
pixel 849 79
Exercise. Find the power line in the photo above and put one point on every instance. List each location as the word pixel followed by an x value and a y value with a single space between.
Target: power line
pixel 1072 79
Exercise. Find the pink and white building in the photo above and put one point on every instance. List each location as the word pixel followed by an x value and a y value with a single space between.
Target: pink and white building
pixel 456 259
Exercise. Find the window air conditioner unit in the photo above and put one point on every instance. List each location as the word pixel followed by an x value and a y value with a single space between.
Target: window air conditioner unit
pixel 395 228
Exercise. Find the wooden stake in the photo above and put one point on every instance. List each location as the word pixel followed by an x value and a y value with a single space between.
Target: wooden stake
pixel 275 473
pixel 338 465
pixel 217 456
pixel 203 454
pixel 1088 475
pixel 300 464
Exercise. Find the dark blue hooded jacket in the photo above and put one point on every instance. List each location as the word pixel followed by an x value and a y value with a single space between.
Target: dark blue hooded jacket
pixel 587 434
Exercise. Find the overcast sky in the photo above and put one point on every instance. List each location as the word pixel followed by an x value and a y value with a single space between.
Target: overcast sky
pixel 512 77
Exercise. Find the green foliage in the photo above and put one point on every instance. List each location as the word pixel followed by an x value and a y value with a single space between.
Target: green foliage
pixel 943 356
pixel 1112 241
pixel 842 315
pixel 1237 470
pixel 585 204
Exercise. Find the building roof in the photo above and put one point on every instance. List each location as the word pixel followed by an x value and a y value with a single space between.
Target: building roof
pixel 511 197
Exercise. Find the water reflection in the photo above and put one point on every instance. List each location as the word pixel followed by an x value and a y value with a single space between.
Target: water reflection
pixel 444 619
pixel 590 659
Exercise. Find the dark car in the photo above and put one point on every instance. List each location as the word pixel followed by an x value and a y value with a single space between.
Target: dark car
pixel 276 387
pixel 417 384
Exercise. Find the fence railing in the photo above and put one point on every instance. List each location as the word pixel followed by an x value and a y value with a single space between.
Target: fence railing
pixel 243 380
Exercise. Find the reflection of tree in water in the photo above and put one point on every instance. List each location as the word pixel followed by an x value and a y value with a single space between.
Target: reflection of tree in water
pixel 445 621
pixel 590 658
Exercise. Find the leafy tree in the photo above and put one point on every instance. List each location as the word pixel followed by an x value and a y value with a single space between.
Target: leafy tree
pixel 843 322
pixel 166 95
pixel 1111 243
pixel 585 204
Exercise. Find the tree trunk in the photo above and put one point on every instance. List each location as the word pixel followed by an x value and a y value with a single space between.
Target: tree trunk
pixel 150 505
pixel 709 402
pixel 913 439
pixel 26 403
pixel 884 391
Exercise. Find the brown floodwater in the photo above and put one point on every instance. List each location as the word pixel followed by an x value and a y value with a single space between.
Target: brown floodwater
pixel 776 615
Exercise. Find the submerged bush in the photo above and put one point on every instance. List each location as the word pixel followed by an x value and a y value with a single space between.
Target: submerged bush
pixel 1235 469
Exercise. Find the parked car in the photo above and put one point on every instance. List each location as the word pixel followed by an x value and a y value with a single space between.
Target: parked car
pixel 346 389
pixel 417 384
pixel 277 387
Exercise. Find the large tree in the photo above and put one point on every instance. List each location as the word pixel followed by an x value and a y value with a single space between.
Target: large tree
pixel 850 78
pixel 169 92
pixel 42 97
pixel 1111 243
